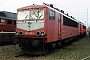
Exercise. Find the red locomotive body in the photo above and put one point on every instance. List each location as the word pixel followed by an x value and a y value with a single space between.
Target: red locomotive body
pixel 43 27
pixel 82 29
pixel 6 27
pixel 7 21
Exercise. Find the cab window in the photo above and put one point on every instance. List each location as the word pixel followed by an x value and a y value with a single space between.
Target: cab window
pixel 9 21
pixel 51 15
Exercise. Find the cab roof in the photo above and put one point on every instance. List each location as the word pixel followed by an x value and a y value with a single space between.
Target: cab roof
pixel 31 7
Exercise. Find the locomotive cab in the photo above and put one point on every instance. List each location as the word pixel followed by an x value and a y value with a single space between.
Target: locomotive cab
pixel 31 29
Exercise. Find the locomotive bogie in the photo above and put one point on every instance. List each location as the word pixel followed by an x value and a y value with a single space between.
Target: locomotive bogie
pixel 33 46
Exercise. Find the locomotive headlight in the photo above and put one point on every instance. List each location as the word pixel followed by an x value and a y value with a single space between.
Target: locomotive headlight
pixel 42 33
pixel 38 33
pixel 20 33
pixel 17 33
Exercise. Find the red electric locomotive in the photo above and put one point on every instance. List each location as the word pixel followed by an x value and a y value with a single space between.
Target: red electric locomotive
pixel 82 29
pixel 41 28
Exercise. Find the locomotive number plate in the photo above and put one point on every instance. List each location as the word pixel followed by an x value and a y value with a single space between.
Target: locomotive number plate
pixel 29 32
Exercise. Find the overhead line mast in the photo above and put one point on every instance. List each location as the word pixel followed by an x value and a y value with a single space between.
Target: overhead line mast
pixel 87 18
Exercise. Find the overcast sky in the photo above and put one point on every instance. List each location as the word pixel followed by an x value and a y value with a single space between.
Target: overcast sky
pixel 76 8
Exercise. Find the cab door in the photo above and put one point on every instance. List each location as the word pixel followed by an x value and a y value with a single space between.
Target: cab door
pixel 51 26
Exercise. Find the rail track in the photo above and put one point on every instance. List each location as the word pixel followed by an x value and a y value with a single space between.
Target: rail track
pixel 77 50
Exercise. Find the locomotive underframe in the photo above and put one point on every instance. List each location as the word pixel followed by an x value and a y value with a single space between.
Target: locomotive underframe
pixel 35 46
pixel 6 37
